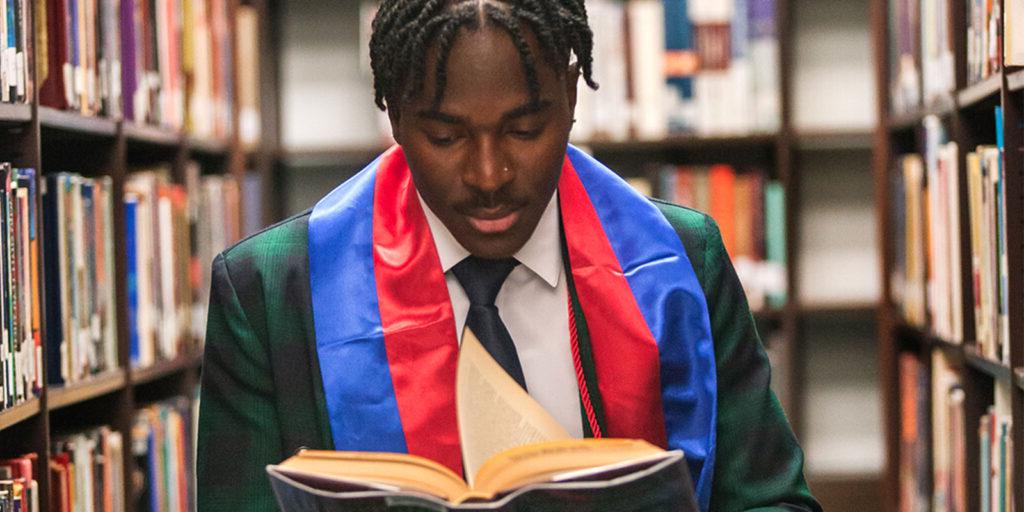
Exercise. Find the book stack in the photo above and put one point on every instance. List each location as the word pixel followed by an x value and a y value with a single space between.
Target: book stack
pixel 996 453
pixel 15 47
pixel 21 349
pixel 162 446
pixel 926 277
pixel 19 488
pixel 207 65
pixel 989 263
pixel 750 212
pixel 213 206
pixel 984 40
pixel 157 243
pixel 162 62
pixel 949 435
pixel 707 67
pixel 921 59
pixel 80 69
pixel 81 313
pixel 914 474
pixel 87 472
pixel 247 69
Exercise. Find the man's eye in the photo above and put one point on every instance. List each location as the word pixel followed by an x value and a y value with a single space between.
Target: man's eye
pixel 525 134
pixel 443 140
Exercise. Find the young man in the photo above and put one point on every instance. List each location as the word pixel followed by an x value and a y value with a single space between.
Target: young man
pixel 338 328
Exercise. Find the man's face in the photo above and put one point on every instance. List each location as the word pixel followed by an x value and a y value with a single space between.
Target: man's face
pixel 487 159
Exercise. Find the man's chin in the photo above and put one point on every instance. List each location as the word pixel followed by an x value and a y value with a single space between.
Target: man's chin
pixel 493 247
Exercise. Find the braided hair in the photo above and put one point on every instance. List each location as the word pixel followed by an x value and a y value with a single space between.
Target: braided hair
pixel 403 30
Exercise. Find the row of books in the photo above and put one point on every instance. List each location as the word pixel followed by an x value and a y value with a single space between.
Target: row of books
pixel 929 281
pixel 984 39
pixel 163 62
pixel 921 58
pixel 749 209
pixel 173 232
pixel 680 67
pixel 20 341
pixel 163 443
pixel 81 317
pixel 15 43
pixel 19 485
pixel 934 402
pixel 87 472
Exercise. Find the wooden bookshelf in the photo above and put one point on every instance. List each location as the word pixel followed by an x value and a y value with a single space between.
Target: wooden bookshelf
pixel 207 147
pixel 19 413
pixel 88 389
pixel 136 133
pixel 164 369
pixel 76 124
pixel 50 141
pixel 969 121
pixel 987 366
pixel 985 91
pixel 15 113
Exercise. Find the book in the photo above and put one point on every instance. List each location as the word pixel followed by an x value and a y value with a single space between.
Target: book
pixel 513 452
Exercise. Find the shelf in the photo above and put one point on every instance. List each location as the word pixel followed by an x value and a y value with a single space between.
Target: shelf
pixel 164 368
pixel 90 388
pixel 913 119
pixel 834 309
pixel 212 147
pixel 151 135
pixel 981 92
pixel 15 113
pixel 1015 80
pixel 1018 377
pixel 19 413
pixel 350 156
pixel 993 369
pixel 827 140
pixel 681 142
pixel 76 123
pixel 769 314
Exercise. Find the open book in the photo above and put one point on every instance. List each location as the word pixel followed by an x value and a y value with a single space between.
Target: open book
pixel 511 447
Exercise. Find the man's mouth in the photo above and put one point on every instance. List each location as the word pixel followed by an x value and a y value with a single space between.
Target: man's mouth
pixel 493 221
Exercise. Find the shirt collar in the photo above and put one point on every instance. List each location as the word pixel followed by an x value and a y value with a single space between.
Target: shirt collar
pixel 542 253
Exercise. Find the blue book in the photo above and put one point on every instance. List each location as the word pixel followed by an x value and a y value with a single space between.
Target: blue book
pixel 131 278
pixel 680 66
pixel 52 268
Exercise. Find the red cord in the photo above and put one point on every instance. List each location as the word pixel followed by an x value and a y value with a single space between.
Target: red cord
pixel 588 406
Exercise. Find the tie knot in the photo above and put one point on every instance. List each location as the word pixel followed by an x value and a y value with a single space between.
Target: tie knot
pixel 482 279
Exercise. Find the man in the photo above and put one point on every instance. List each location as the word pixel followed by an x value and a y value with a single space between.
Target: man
pixel 337 329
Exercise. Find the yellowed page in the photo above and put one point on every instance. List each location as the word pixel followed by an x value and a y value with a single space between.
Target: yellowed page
pixel 551 460
pixel 407 472
pixel 494 413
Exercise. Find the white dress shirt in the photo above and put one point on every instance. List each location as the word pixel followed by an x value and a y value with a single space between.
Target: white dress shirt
pixel 533 303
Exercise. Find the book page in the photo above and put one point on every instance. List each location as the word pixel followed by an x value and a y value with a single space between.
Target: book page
pixel 494 413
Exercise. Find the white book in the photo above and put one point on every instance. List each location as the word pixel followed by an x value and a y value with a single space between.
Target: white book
pixel 647 42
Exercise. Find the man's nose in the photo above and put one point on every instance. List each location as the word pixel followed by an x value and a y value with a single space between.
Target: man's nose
pixel 488 171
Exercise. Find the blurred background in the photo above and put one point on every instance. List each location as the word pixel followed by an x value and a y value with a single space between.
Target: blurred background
pixel 862 158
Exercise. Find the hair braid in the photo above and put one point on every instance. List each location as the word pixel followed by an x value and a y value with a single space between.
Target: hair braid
pixel 403 30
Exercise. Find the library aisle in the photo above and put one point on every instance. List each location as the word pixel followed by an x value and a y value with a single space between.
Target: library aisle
pixel 864 160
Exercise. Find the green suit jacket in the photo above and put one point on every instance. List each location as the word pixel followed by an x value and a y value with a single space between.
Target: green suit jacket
pixel 262 395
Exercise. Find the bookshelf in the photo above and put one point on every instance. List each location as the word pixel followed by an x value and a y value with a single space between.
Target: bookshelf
pixel 50 141
pixel 968 117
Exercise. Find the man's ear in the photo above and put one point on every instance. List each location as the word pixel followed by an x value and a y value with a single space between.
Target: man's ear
pixel 394 117
pixel 572 78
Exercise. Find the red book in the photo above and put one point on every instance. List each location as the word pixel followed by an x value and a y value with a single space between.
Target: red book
pixel 722 207
pixel 51 91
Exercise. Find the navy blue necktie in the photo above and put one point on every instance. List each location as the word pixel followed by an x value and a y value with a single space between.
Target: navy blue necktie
pixel 482 279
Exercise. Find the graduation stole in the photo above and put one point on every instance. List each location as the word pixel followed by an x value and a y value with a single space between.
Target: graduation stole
pixel 385 331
